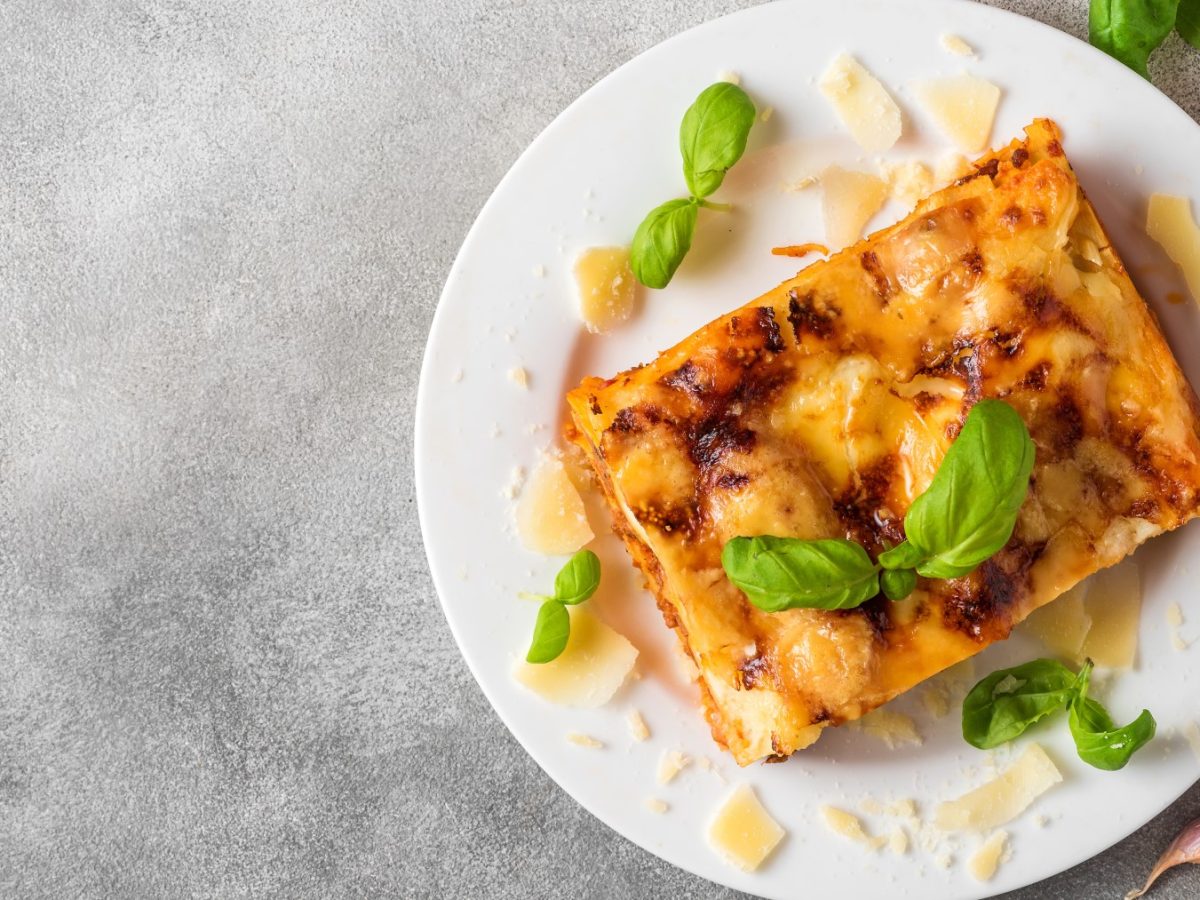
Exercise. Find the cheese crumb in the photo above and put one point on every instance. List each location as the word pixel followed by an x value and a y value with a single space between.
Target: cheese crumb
pixel 457 376
pixel 903 809
pixel 862 103
pixel 951 167
pixel 655 805
pixel 742 831
pixel 765 115
pixel 1178 644
pixel 516 477
pixel 1192 732
pixel 551 518
pixel 518 376
pixel 943 860
pixel 729 76
pixel 582 740
pixel 1114 602
pixel 637 726
pixel 539 271
pixel 849 826
pixel 963 108
pixel 870 806
pixel 908 182
pixel 936 700
pixel 848 201
pixel 670 764
pixel 1174 615
pixel 1170 223
pixel 952 43
pixel 1003 798
pixel 983 864
pixel 893 728
pixel 1040 821
pixel 592 667
pixel 898 842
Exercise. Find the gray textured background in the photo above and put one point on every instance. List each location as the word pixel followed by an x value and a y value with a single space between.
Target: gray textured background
pixel 223 670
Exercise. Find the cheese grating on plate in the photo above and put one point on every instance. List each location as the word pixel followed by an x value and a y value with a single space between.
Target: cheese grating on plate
pixel 822 408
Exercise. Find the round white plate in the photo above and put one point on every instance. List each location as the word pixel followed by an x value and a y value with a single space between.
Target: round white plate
pixel 588 180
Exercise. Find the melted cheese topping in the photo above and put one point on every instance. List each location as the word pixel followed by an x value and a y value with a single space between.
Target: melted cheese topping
pixel 742 831
pixel 824 407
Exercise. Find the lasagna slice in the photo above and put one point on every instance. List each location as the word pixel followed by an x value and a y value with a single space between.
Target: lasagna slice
pixel 823 408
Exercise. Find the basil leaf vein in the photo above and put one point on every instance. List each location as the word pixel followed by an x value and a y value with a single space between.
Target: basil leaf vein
pixel 550 633
pixel 713 135
pixel 662 241
pixel 1130 30
pixel 970 508
pixel 787 573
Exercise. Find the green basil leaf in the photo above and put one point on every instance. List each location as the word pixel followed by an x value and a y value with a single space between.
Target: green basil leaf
pixel 1004 704
pixel 1098 740
pixel 787 573
pixel 713 135
pixel 578 579
pixel 662 241
pixel 550 633
pixel 1187 22
pixel 897 583
pixel 904 556
pixel 970 508
pixel 1130 30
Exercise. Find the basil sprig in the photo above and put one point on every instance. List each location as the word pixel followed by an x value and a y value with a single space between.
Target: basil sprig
pixel 575 582
pixel 1130 30
pixel 1006 703
pixel 712 137
pixel 967 514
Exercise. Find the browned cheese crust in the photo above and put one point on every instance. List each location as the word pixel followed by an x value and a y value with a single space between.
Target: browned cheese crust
pixel 823 408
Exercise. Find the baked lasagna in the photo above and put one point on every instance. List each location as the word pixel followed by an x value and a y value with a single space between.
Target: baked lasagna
pixel 823 408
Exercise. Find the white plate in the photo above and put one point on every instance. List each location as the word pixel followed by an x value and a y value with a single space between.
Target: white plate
pixel 588 180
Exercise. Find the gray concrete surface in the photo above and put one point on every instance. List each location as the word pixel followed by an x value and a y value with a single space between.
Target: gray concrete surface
pixel 223 230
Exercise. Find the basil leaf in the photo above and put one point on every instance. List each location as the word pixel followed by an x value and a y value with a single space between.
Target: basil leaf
pixel 578 579
pixel 662 241
pixel 1004 704
pixel 550 633
pixel 713 134
pixel 970 508
pixel 1130 30
pixel 897 583
pixel 1098 740
pixel 787 573
pixel 1187 22
pixel 904 556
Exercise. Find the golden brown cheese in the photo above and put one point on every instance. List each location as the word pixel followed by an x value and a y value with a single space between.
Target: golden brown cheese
pixel 823 408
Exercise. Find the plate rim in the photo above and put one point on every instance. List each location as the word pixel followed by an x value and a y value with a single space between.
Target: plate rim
pixel 425 379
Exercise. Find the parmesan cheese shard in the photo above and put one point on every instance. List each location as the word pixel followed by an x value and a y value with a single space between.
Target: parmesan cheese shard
pixel 742 831
pixel 606 287
pixel 952 43
pixel 1192 732
pixel 1002 799
pixel 848 826
pixel 848 201
pixel 583 740
pixel 962 106
pixel 637 726
pixel 1062 624
pixel 594 664
pixel 1170 223
pixel 983 864
pixel 550 515
pixel 1114 603
pixel 862 103
pixel 893 728
pixel 670 764
pixel 655 805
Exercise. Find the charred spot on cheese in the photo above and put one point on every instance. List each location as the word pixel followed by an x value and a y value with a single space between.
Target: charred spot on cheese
pixel 807 318
pixel 743 430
